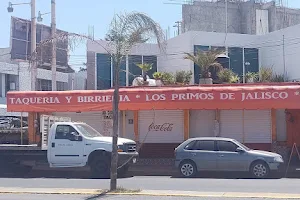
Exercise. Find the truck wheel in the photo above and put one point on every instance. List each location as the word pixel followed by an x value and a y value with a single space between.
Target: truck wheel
pixel 123 170
pixel 100 167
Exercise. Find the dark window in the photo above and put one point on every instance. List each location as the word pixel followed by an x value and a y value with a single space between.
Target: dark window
pixel 196 67
pixel 103 71
pixel 134 70
pixel 61 86
pixel 227 146
pixel 205 145
pixel 151 60
pixel 44 85
pixel 64 131
pixel 190 145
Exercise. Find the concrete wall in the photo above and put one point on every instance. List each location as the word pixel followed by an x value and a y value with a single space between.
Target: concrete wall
pixel 242 17
pixel 272 48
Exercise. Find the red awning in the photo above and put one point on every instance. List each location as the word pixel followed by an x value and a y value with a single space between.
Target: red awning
pixel 282 96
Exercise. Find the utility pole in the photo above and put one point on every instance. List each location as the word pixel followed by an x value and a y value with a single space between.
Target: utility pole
pixel 177 24
pixel 53 35
pixel 34 82
pixel 283 57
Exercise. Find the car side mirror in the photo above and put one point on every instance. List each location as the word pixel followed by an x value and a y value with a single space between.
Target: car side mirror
pixel 75 137
pixel 240 150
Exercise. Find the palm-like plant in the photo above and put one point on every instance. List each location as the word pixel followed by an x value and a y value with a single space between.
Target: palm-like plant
pixel 206 60
pixel 145 67
pixel 126 31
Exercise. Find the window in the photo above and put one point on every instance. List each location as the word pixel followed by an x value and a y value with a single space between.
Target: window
pixel 205 145
pixel 61 86
pixel 227 146
pixel 44 85
pixel 64 131
pixel 190 145
pixel 87 130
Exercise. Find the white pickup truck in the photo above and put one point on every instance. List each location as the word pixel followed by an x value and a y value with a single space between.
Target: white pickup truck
pixel 69 145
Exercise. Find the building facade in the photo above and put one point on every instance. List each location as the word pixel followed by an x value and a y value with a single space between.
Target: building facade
pixel 243 17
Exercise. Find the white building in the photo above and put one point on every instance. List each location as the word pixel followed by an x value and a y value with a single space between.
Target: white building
pixel 277 50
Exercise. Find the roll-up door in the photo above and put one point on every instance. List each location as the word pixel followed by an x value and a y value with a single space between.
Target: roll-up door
pixel 202 123
pixel 161 126
pixel 97 120
pixel 231 124
pixel 257 126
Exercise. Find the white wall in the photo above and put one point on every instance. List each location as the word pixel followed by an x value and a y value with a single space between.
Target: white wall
pixel 101 46
pixel 272 51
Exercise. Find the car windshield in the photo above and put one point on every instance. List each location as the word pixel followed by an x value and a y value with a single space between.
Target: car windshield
pixel 241 145
pixel 87 130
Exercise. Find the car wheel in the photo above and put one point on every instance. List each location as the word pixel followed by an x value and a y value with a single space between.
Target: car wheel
pixel 259 170
pixel 188 169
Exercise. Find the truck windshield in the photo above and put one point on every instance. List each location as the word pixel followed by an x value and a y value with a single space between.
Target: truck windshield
pixel 87 130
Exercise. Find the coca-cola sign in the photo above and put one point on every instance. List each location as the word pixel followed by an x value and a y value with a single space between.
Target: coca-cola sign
pixel 161 127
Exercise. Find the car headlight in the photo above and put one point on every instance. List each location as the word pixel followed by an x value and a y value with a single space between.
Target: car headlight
pixel 278 159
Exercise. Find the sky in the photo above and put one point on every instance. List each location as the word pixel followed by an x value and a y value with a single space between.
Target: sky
pixel 77 15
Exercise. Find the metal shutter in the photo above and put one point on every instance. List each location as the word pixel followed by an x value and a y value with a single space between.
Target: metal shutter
pixel 94 119
pixel 231 124
pixel 257 126
pixel 160 117
pixel 202 123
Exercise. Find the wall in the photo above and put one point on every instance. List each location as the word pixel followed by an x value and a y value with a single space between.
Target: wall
pixel 272 48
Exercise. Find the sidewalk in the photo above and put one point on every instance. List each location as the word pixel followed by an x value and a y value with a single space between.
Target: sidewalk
pixel 157 193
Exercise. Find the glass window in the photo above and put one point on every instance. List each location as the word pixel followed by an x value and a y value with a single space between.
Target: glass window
pixel 227 146
pixel 190 145
pixel 87 130
pixel 64 131
pixel 205 145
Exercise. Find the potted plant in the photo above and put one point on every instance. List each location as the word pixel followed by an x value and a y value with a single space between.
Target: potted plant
pixel 183 77
pixel 251 77
pixel 168 78
pixel 145 67
pixel 158 78
pixel 228 76
pixel 206 61
pixel 265 75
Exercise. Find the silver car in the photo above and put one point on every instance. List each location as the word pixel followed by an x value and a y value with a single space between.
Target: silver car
pixel 224 154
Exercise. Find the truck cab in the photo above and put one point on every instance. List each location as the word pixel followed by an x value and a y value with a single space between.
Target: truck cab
pixel 74 144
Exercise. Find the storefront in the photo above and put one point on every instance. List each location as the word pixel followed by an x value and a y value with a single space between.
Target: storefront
pixel 161 118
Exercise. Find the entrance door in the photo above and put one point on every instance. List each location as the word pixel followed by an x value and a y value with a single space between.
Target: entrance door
pixel 65 151
pixel 204 155
pixel 228 159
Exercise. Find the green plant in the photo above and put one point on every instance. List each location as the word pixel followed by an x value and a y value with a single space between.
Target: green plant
pixel 168 78
pixel 206 61
pixel 265 75
pixel 145 67
pixel 183 77
pixel 278 78
pixel 157 75
pixel 228 76
pixel 251 76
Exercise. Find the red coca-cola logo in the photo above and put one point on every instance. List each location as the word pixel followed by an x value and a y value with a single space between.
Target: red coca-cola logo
pixel 160 127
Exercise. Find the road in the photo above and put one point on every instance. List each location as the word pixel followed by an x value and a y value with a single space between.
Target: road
pixel 83 197
pixel 290 186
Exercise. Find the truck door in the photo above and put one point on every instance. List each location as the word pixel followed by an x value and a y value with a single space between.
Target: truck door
pixel 67 147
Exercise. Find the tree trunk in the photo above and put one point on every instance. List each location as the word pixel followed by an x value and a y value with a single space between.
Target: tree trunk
pixel 114 154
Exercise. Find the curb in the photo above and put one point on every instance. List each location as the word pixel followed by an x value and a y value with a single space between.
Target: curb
pixel 170 193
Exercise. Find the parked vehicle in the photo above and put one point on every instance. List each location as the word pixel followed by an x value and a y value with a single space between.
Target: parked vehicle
pixel 224 154
pixel 66 145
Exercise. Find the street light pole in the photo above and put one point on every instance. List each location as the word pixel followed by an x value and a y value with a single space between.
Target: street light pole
pixel 53 35
pixel 34 85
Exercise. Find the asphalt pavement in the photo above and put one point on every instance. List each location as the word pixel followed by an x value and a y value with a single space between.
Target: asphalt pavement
pixel 112 197
pixel 289 186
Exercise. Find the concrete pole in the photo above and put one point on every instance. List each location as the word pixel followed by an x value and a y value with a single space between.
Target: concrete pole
pixel 53 36
pixel 33 48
